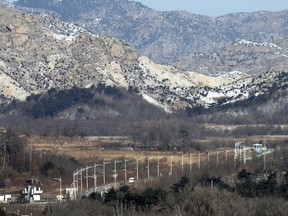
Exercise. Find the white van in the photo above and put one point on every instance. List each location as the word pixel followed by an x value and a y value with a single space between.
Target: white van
pixel 131 180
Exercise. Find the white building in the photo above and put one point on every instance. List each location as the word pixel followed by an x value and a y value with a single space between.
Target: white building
pixel 5 198
pixel 32 191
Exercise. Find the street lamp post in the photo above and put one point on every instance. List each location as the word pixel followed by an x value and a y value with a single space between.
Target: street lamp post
pixel 245 156
pixel 77 179
pixel 87 175
pixel 137 168
pixel 95 174
pixel 115 169
pixel 171 165
pixel 125 168
pixel 74 180
pixel 87 178
pixel 81 178
pixel 60 193
pixel 75 183
pixel 158 167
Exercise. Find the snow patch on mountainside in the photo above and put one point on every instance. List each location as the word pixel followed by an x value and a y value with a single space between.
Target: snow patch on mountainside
pixel 250 43
pixel 156 103
pixel 211 97
pixel 68 38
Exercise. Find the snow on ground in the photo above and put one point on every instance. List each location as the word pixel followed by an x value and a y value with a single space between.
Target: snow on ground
pixel 212 97
pixel 155 103
pixel 251 43
pixel 212 88
pixel 68 38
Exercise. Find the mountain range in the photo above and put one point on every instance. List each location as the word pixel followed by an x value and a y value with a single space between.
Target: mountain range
pixel 40 52
pixel 165 37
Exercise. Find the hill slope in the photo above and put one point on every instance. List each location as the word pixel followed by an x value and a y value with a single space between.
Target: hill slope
pixel 165 36
pixel 40 52
pixel 247 56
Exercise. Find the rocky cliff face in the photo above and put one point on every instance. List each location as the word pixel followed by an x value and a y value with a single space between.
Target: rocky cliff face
pixel 40 52
pixel 165 36
pixel 243 55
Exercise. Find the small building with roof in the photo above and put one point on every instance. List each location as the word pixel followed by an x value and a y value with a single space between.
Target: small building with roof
pixel 32 192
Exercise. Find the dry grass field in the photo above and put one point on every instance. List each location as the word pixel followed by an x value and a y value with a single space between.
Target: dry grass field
pixel 91 149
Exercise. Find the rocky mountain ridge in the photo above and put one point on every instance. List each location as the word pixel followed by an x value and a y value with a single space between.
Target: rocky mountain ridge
pixel 166 36
pixel 243 55
pixel 40 52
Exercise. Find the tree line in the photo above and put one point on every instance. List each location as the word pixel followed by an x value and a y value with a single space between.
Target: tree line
pixel 200 195
pixel 109 111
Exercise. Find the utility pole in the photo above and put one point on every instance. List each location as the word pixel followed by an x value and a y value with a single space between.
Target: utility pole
pixel 125 168
pixel 237 152
pixel 77 179
pixel 171 165
pixel 115 169
pixel 74 184
pixel 95 177
pixel 87 180
pixel 74 180
pixel 87 176
pixel 137 168
pixel 81 179
pixel 158 167
pixel 60 193
pixel 95 174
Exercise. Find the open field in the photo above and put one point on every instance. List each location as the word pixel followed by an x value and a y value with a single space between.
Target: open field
pixel 103 147
pixel 91 149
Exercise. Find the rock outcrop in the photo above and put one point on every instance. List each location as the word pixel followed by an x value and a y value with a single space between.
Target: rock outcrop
pixel 247 56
